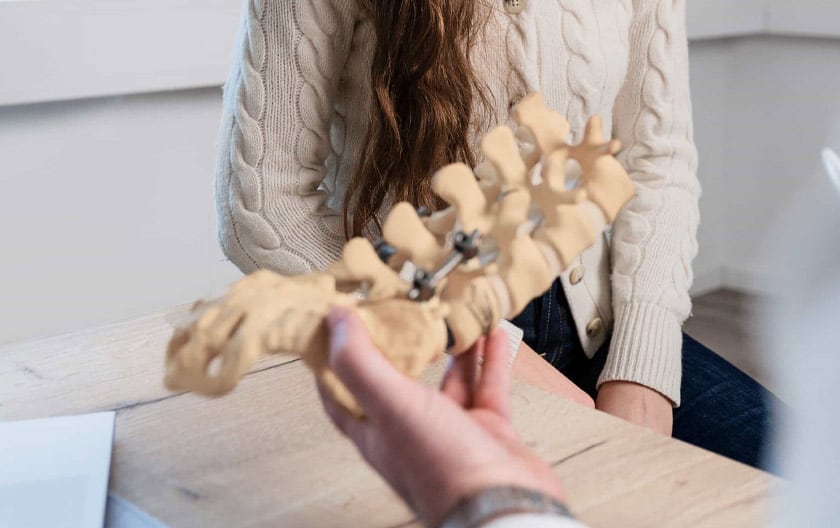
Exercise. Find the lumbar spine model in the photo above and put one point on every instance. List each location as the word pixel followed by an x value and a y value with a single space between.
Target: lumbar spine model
pixel 436 281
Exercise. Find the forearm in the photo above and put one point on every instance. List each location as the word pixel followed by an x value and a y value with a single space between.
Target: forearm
pixel 654 238
pixel 274 136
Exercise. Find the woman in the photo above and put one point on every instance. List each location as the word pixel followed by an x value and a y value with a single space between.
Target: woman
pixel 337 108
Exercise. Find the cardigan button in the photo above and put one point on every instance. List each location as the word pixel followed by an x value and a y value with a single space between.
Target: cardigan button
pixel 594 327
pixel 514 7
pixel 576 275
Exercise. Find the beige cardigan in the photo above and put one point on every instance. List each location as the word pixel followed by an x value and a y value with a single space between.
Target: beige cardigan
pixel 295 111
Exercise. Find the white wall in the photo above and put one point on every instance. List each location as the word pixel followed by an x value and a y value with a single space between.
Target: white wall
pixel 106 209
pixel 106 203
pixel 764 108
pixel 710 92
pixel 766 90
pixel 55 51
pixel 783 107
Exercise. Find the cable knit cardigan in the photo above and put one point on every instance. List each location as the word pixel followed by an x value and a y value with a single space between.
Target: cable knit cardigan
pixel 295 115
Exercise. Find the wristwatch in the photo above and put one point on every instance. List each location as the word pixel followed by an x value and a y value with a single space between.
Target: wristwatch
pixel 491 503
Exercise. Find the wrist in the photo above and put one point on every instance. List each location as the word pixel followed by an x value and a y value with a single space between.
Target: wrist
pixel 493 502
pixel 637 404
pixel 638 391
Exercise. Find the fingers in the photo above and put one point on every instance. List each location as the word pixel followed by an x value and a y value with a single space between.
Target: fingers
pixel 367 438
pixel 459 380
pixel 493 390
pixel 373 381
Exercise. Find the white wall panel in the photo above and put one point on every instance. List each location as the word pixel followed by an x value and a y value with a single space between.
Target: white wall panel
pixel 68 49
pixel 105 209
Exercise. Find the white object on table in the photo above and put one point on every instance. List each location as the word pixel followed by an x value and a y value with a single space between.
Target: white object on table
pixel 123 514
pixel 54 471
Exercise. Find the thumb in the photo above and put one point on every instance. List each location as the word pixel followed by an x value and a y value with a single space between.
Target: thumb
pixel 366 373
pixel 494 386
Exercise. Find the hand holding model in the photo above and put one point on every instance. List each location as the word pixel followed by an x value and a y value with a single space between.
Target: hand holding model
pixel 435 448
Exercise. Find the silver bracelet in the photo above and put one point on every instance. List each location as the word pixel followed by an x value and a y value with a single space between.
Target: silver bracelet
pixel 491 503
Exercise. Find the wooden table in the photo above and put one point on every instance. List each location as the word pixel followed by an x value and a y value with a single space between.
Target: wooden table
pixel 267 456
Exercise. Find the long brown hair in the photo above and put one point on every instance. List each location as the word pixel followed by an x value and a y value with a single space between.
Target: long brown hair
pixel 424 97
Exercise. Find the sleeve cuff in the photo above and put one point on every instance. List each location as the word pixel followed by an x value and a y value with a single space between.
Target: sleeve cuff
pixel 514 335
pixel 646 348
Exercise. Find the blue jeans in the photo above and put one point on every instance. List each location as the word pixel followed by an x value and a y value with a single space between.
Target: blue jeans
pixel 722 410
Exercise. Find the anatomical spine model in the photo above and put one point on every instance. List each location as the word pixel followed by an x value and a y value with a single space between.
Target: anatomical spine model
pixel 435 281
